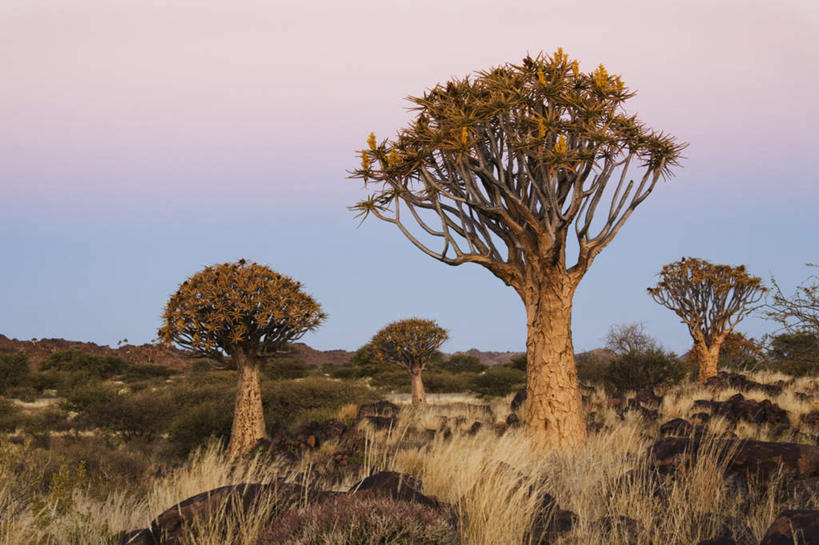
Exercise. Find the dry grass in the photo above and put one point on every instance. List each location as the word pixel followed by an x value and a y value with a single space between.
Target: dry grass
pixel 493 481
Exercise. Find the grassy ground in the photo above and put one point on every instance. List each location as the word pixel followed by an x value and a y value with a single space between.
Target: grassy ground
pixel 493 481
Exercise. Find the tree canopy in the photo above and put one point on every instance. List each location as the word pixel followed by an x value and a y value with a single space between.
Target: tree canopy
pixel 238 306
pixel 409 343
pixel 497 166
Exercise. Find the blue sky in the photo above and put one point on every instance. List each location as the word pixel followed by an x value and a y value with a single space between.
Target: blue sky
pixel 147 140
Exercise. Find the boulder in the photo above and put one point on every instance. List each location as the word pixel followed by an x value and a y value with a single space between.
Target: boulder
pixel 169 526
pixel 143 536
pixel 518 400
pixel 756 412
pixel 512 420
pixel 551 524
pixel 648 398
pixel 676 428
pixel 758 459
pixel 810 421
pixel 725 380
pixel 793 527
pixel 397 486
pixel 383 409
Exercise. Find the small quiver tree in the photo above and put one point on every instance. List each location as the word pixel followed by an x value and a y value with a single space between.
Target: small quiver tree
pixel 504 169
pixel 244 311
pixel 410 344
pixel 711 300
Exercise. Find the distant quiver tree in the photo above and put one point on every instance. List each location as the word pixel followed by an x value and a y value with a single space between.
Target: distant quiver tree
pixel 411 344
pixel 245 311
pixel 711 300
pixel 499 169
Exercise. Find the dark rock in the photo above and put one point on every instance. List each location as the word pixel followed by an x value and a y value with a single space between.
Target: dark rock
pixel 474 428
pixel 382 409
pixel 518 400
pixel 315 434
pixel 550 524
pixel 677 428
pixel 381 422
pixel 648 398
pixel 143 536
pixel 793 527
pixel 811 421
pixel 756 412
pixel 758 459
pixel 724 529
pixel 394 485
pixel 512 420
pixel 629 530
pixel 725 380
pixel 170 525
pixel 700 419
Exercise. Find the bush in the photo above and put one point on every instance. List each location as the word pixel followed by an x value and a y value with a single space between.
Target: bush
pixel 14 371
pixel 639 370
pixel 148 371
pixel 192 427
pixel 591 368
pixel 518 362
pixel 285 368
pixel 392 379
pixel 74 361
pixel 287 400
pixel 143 415
pixel 499 381
pixel 440 382
pixel 739 353
pixel 9 416
pixel 796 354
pixel 463 363
pixel 362 520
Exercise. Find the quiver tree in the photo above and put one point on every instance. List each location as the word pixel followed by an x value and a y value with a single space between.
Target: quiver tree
pixel 710 300
pixel 245 311
pixel 410 344
pixel 798 313
pixel 495 169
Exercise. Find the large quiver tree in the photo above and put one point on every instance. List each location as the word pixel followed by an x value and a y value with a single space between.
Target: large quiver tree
pixel 495 170
pixel 410 344
pixel 245 311
pixel 710 300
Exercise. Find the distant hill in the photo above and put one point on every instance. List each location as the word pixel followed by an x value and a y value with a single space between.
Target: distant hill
pixel 39 350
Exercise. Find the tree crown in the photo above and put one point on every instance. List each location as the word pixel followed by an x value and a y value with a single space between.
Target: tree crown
pixel 710 299
pixel 410 343
pixel 496 167
pixel 238 307
pixel 799 312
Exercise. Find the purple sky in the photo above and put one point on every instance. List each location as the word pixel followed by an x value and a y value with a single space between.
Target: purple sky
pixel 142 140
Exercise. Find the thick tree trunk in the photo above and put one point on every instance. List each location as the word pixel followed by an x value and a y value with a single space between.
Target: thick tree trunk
pixel 418 395
pixel 248 417
pixel 554 410
pixel 707 359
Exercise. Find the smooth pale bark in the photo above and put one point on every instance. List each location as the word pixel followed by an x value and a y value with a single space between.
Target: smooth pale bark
pixel 554 409
pixel 707 359
pixel 418 395
pixel 248 418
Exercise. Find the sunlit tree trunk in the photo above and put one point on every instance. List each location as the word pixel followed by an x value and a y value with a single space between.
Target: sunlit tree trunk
pixel 554 411
pixel 248 417
pixel 707 359
pixel 418 395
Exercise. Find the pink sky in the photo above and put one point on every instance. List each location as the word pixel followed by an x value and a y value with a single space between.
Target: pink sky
pixel 113 100
pixel 142 140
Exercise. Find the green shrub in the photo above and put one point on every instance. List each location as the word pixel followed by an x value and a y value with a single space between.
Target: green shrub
pixel 49 419
pixel 796 354
pixel 9 416
pixel 14 371
pixel 192 427
pixel 498 381
pixel 392 379
pixel 463 363
pixel 201 366
pixel 75 361
pixel 143 415
pixel 591 368
pixel 284 401
pixel 518 362
pixel 285 368
pixel 440 382
pixel 148 371
pixel 639 370
pixel 82 396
